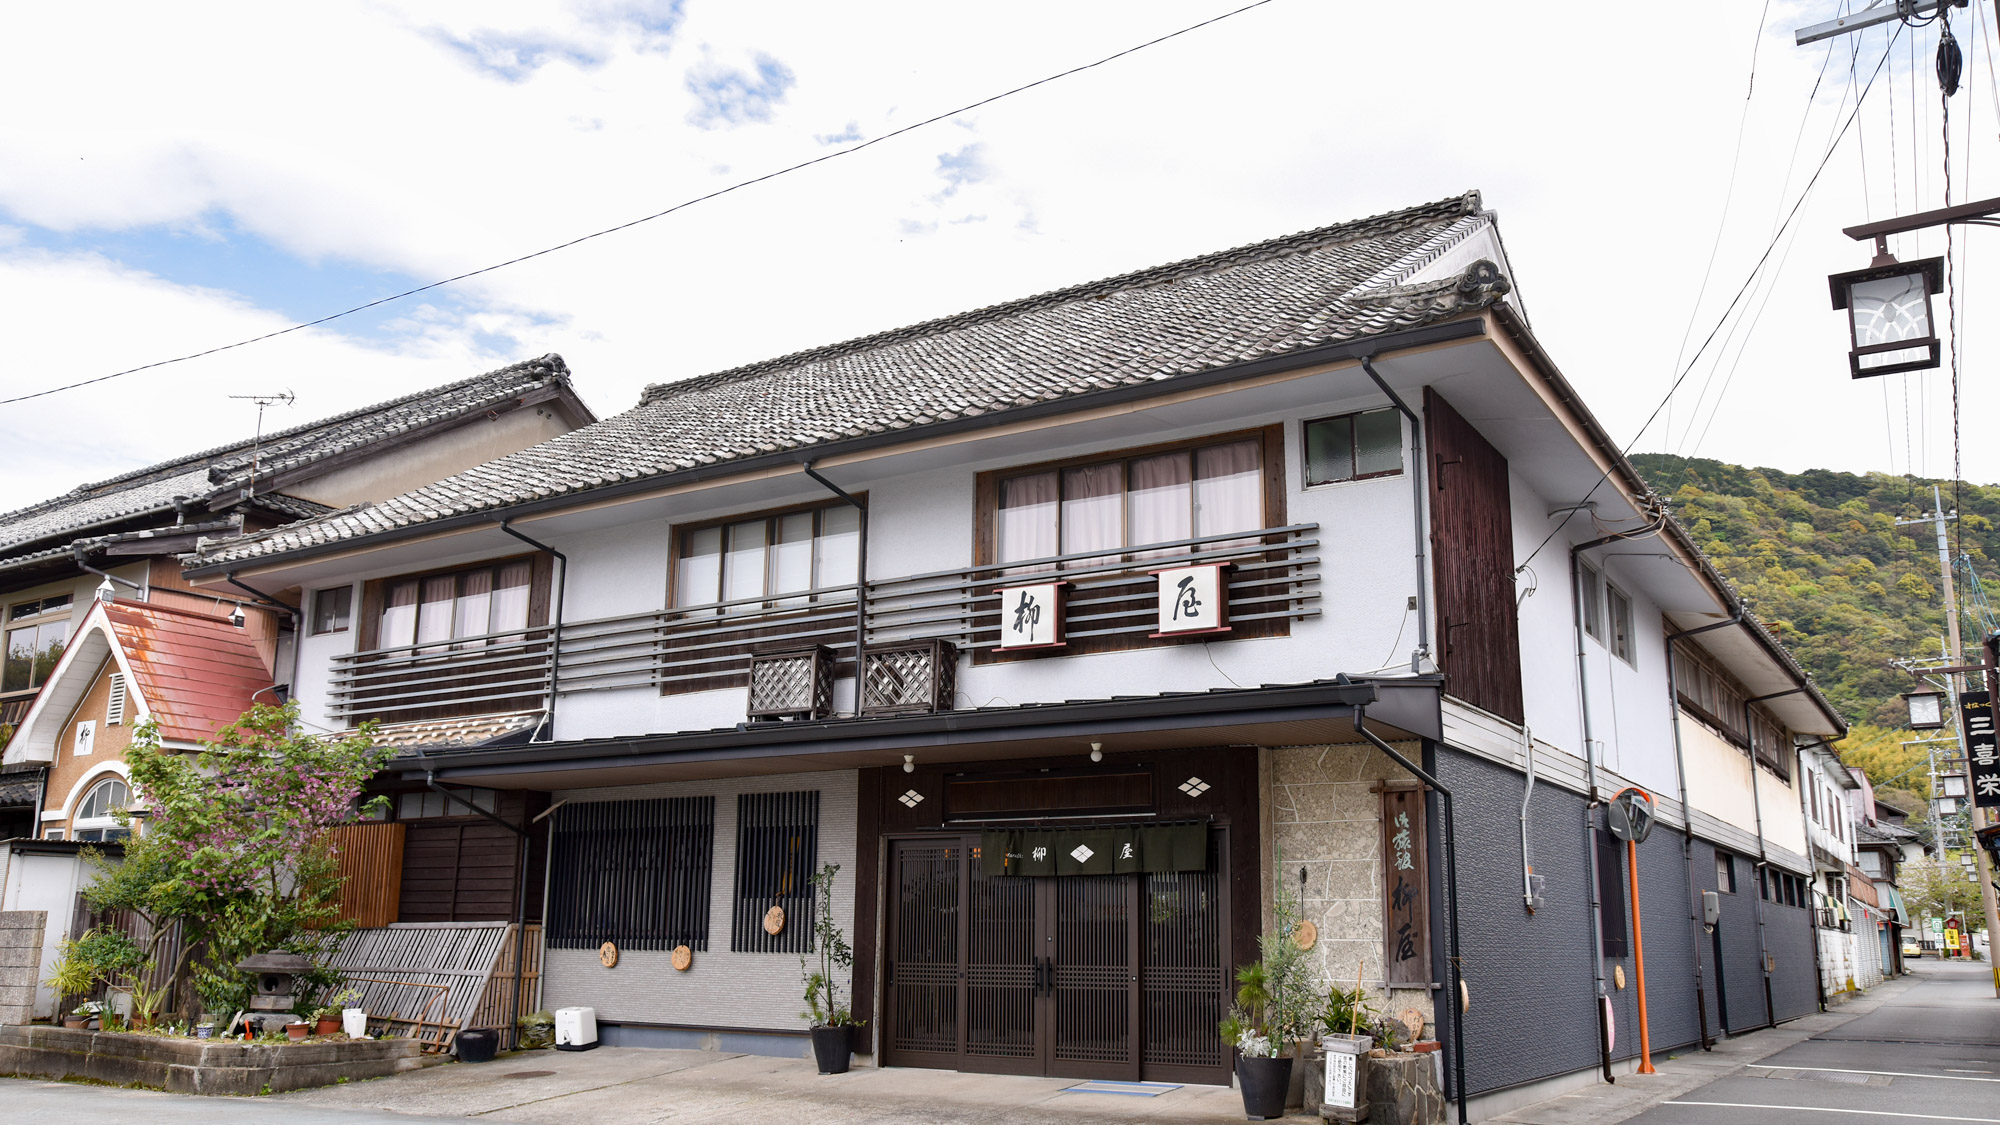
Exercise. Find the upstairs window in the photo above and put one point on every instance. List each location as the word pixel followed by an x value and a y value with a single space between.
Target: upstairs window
pixel 794 553
pixel 474 604
pixel 36 633
pixel 1725 873
pixel 332 610
pixel 1354 447
pixel 1161 496
pixel 97 817
pixel 1620 641
pixel 1590 591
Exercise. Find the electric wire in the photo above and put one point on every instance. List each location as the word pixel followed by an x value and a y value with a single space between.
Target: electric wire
pixel 681 206
pixel 1734 301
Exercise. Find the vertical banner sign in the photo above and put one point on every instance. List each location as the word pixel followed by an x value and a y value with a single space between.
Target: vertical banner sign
pixel 1982 748
pixel 1031 616
pixel 1193 599
pixel 1406 913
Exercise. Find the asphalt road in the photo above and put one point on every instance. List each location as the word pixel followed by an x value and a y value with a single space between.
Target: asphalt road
pixel 1931 1053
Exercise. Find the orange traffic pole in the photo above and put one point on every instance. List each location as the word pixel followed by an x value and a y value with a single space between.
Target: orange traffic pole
pixel 1639 958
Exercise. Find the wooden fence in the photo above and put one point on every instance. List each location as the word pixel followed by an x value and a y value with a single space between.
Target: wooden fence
pixel 430 980
pixel 371 862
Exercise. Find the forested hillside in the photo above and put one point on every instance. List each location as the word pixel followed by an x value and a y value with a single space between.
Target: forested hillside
pixel 1819 556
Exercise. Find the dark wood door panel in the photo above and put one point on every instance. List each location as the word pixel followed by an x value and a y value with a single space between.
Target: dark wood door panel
pixel 1472 551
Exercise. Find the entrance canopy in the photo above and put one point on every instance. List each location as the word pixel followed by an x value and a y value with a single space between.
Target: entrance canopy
pixel 1313 713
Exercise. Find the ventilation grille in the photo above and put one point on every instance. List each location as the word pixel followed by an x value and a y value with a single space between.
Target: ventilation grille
pixel 910 678
pixel 114 709
pixel 792 685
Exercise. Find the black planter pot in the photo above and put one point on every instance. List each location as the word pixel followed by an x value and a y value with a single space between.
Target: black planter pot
pixel 1265 1082
pixel 477 1044
pixel 831 1048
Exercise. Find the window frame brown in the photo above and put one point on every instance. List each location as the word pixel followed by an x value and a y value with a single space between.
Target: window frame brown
pixel 1305 458
pixel 986 516
pixel 374 593
pixel 677 535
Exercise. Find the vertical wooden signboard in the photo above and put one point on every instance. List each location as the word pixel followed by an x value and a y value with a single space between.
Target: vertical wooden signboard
pixel 1406 913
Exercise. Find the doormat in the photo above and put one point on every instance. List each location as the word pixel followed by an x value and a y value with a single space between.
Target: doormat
pixel 1129 1089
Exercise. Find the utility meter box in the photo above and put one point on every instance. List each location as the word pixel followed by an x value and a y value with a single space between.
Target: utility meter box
pixel 1711 908
pixel 576 1029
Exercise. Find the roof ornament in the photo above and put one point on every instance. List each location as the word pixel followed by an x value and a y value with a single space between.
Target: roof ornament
pixel 106 591
pixel 236 615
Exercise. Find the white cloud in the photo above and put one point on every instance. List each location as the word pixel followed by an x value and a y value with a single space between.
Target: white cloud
pixel 427 145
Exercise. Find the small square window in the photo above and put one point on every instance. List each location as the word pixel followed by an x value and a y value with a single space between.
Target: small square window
pixel 1590 590
pixel 332 610
pixel 1354 447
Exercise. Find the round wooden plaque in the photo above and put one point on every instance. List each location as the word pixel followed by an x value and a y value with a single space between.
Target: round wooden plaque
pixel 1307 935
pixel 1464 996
pixel 607 955
pixel 683 957
pixel 1618 976
pixel 774 921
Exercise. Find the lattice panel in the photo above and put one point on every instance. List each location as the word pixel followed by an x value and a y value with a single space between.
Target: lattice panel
pixel 910 678
pixel 792 685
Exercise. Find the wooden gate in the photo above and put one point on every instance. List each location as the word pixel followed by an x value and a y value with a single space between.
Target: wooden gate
pixel 1089 976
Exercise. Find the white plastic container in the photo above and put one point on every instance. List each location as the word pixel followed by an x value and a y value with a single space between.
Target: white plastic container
pixel 576 1029
pixel 354 1021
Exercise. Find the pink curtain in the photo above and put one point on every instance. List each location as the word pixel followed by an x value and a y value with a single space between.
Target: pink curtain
pixel 1027 519
pixel 1157 509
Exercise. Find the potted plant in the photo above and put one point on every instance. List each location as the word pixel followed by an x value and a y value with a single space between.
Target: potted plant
pixel 298 1030
pixel 1272 1014
pixel 71 975
pixel 78 1018
pixel 832 1020
pixel 326 1018
pixel 1347 1033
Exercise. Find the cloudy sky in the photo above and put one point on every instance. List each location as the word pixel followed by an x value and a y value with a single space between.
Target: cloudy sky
pixel 173 179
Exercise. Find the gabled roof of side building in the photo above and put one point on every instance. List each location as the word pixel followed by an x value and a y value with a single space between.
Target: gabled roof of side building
pixel 48 527
pixel 193 673
pixel 1283 296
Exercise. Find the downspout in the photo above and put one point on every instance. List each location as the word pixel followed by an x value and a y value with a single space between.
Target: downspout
pixel 298 624
pixel 1687 817
pixel 548 722
pixel 1417 465
pixel 520 902
pixel 1764 860
pixel 1602 994
pixel 860 576
pixel 1453 983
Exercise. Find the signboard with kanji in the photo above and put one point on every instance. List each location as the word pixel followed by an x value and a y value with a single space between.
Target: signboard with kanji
pixel 1031 616
pixel 1406 913
pixel 1193 599
pixel 1982 748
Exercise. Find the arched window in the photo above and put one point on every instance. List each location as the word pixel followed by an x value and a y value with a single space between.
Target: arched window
pixel 94 818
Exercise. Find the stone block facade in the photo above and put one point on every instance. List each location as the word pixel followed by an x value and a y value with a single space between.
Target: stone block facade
pixel 20 962
pixel 198 1066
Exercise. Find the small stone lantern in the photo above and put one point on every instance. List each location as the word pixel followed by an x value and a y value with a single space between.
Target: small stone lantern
pixel 275 992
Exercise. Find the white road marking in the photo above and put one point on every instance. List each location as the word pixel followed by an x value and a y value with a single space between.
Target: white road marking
pixel 1962 1070
pixel 1884 1073
pixel 1860 1112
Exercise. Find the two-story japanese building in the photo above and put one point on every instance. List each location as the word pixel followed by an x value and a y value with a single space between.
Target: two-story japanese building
pixel 1164 591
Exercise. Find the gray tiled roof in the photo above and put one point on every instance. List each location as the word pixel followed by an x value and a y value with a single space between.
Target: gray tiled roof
pixel 224 470
pixel 1316 288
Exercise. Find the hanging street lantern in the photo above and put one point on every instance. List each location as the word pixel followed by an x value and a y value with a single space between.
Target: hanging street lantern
pixel 1926 709
pixel 1889 315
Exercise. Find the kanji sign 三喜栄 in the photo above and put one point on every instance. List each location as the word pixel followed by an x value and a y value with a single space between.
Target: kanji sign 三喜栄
pixel 1982 747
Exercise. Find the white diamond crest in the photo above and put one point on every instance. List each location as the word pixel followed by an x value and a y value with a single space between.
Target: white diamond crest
pixel 1081 853
pixel 1194 787
pixel 912 798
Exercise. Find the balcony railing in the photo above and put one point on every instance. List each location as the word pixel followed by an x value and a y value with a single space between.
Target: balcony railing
pixel 463 676
pixel 1273 580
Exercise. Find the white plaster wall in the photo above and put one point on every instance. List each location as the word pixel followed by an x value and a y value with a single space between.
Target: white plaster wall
pixel 723 988
pixel 1718 775
pixel 1548 637
pixel 316 655
pixel 1784 825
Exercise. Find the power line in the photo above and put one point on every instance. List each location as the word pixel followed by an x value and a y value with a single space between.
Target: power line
pixel 681 206
pixel 1804 194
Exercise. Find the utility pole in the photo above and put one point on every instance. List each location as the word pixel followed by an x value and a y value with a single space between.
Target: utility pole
pixel 1956 653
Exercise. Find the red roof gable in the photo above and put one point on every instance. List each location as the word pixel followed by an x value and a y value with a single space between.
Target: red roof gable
pixel 196 673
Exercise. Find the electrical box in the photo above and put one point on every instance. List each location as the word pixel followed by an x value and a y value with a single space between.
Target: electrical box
pixel 1535 885
pixel 576 1029
pixel 1711 909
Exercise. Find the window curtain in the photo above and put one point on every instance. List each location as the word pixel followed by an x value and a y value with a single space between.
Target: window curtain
pixel 1093 503
pixel 792 558
pixel 399 616
pixel 1158 508
pixel 475 604
pixel 1027 519
pixel 700 579
pixel 836 548
pixel 434 614
pixel 510 597
pixel 1228 491
pixel 743 564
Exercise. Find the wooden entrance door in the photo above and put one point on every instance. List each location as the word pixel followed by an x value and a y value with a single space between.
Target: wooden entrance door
pixel 1100 976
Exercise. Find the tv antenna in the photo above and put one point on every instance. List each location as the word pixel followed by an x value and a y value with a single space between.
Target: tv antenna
pixel 256 443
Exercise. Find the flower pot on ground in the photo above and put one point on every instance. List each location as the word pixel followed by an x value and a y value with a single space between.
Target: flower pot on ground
pixel 1264 1081
pixel 477 1044
pixel 297 1030
pixel 75 1021
pixel 326 1025
pixel 832 1019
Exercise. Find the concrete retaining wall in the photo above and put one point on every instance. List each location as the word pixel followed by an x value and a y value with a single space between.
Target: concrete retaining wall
pixel 20 963
pixel 197 1066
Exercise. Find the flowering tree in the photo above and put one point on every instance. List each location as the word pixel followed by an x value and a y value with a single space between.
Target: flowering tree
pixel 235 843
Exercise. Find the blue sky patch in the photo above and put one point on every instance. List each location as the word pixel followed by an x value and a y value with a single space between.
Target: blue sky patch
pixel 727 95
pixel 215 253
pixel 966 166
pixel 846 136
pixel 515 58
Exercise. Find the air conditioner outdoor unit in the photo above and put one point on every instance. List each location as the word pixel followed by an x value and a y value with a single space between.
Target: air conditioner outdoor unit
pixel 794 684
pixel 909 678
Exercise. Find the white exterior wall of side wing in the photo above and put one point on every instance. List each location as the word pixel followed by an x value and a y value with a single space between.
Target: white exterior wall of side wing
pixel 316 652
pixel 1547 628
